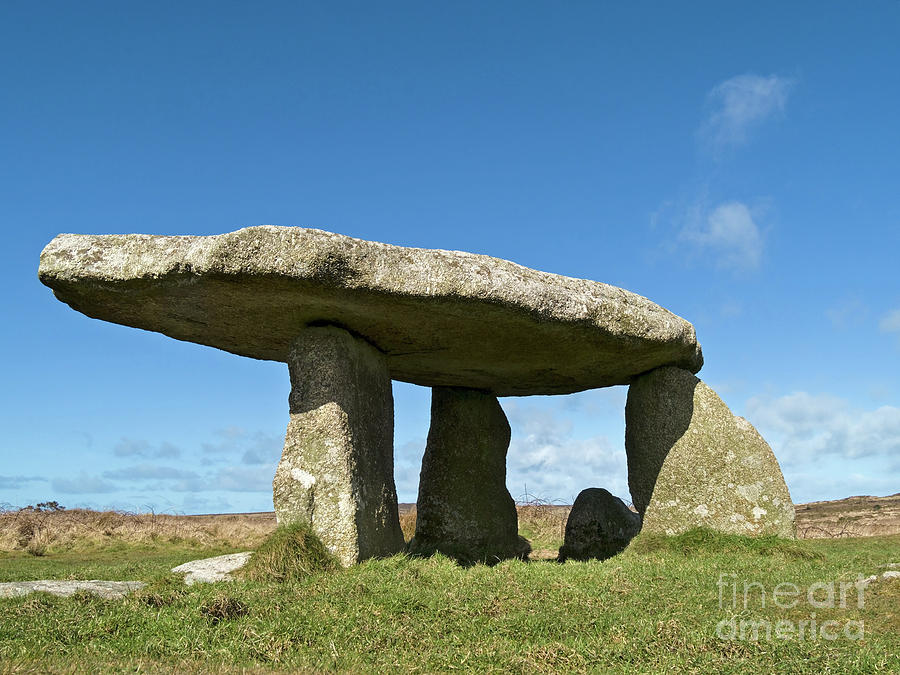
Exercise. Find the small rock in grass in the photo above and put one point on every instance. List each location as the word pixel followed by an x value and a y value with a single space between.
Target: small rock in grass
pixel 210 570
pixel 105 589
pixel 600 525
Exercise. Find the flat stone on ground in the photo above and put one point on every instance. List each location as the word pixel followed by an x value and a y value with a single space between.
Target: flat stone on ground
pixel 209 570
pixel 105 589
pixel 442 318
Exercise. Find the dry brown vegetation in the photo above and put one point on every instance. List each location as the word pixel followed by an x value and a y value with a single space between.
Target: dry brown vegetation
pixel 408 520
pixel 48 528
pixel 42 529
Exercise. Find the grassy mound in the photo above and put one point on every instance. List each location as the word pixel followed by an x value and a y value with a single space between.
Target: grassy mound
pixel 701 540
pixel 291 553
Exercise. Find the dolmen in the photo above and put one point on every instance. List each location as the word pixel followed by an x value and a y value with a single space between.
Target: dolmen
pixel 347 316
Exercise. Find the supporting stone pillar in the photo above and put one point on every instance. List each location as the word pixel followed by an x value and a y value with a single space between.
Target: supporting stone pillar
pixel 692 462
pixel 464 509
pixel 337 468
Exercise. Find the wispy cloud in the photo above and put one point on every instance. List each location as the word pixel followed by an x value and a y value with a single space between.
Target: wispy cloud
pixel 407 466
pixel 131 447
pixel 545 456
pixel 806 427
pixel 848 312
pixel 728 233
pixel 83 484
pixel 890 322
pixel 739 105
pixel 16 482
pixel 148 472
pixel 253 447
pixel 243 479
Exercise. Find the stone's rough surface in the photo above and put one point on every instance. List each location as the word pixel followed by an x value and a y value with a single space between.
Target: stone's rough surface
pixel 600 525
pixel 105 589
pixel 337 468
pixel 209 570
pixel 691 462
pixel 464 509
pixel 441 317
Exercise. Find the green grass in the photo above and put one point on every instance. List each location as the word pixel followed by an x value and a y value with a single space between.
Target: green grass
pixel 292 553
pixel 121 563
pixel 651 609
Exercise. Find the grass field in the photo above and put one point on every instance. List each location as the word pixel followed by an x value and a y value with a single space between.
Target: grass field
pixel 663 605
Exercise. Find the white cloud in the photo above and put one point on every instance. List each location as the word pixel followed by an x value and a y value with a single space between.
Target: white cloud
pixel 545 456
pixel 243 479
pixel 82 484
pixel 131 447
pixel 729 233
pixel 804 428
pixel 740 104
pixel 890 322
pixel 848 313
pixel 194 503
pixel 148 472
pixel 16 482
pixel 407 465
pixel 254 447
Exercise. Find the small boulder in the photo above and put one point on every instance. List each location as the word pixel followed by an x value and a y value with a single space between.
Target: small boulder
pixel 105 589
pixel 210 570
pixel 600 525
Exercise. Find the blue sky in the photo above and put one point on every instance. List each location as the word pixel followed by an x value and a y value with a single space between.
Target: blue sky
pixel 738 164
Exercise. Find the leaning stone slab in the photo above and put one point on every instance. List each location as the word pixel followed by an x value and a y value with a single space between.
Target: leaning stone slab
pixel 337 468
pixel 692 462
pixel 105 589
pixel 442 318
pixel 464 509
pixel 600 525
pixel 210 570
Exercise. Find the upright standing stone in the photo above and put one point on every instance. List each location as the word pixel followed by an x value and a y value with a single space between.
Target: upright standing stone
pixel 337 468
pixel 692 462
pixel 464 509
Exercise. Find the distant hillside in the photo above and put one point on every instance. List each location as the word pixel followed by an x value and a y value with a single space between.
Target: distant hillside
pixel 851 517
